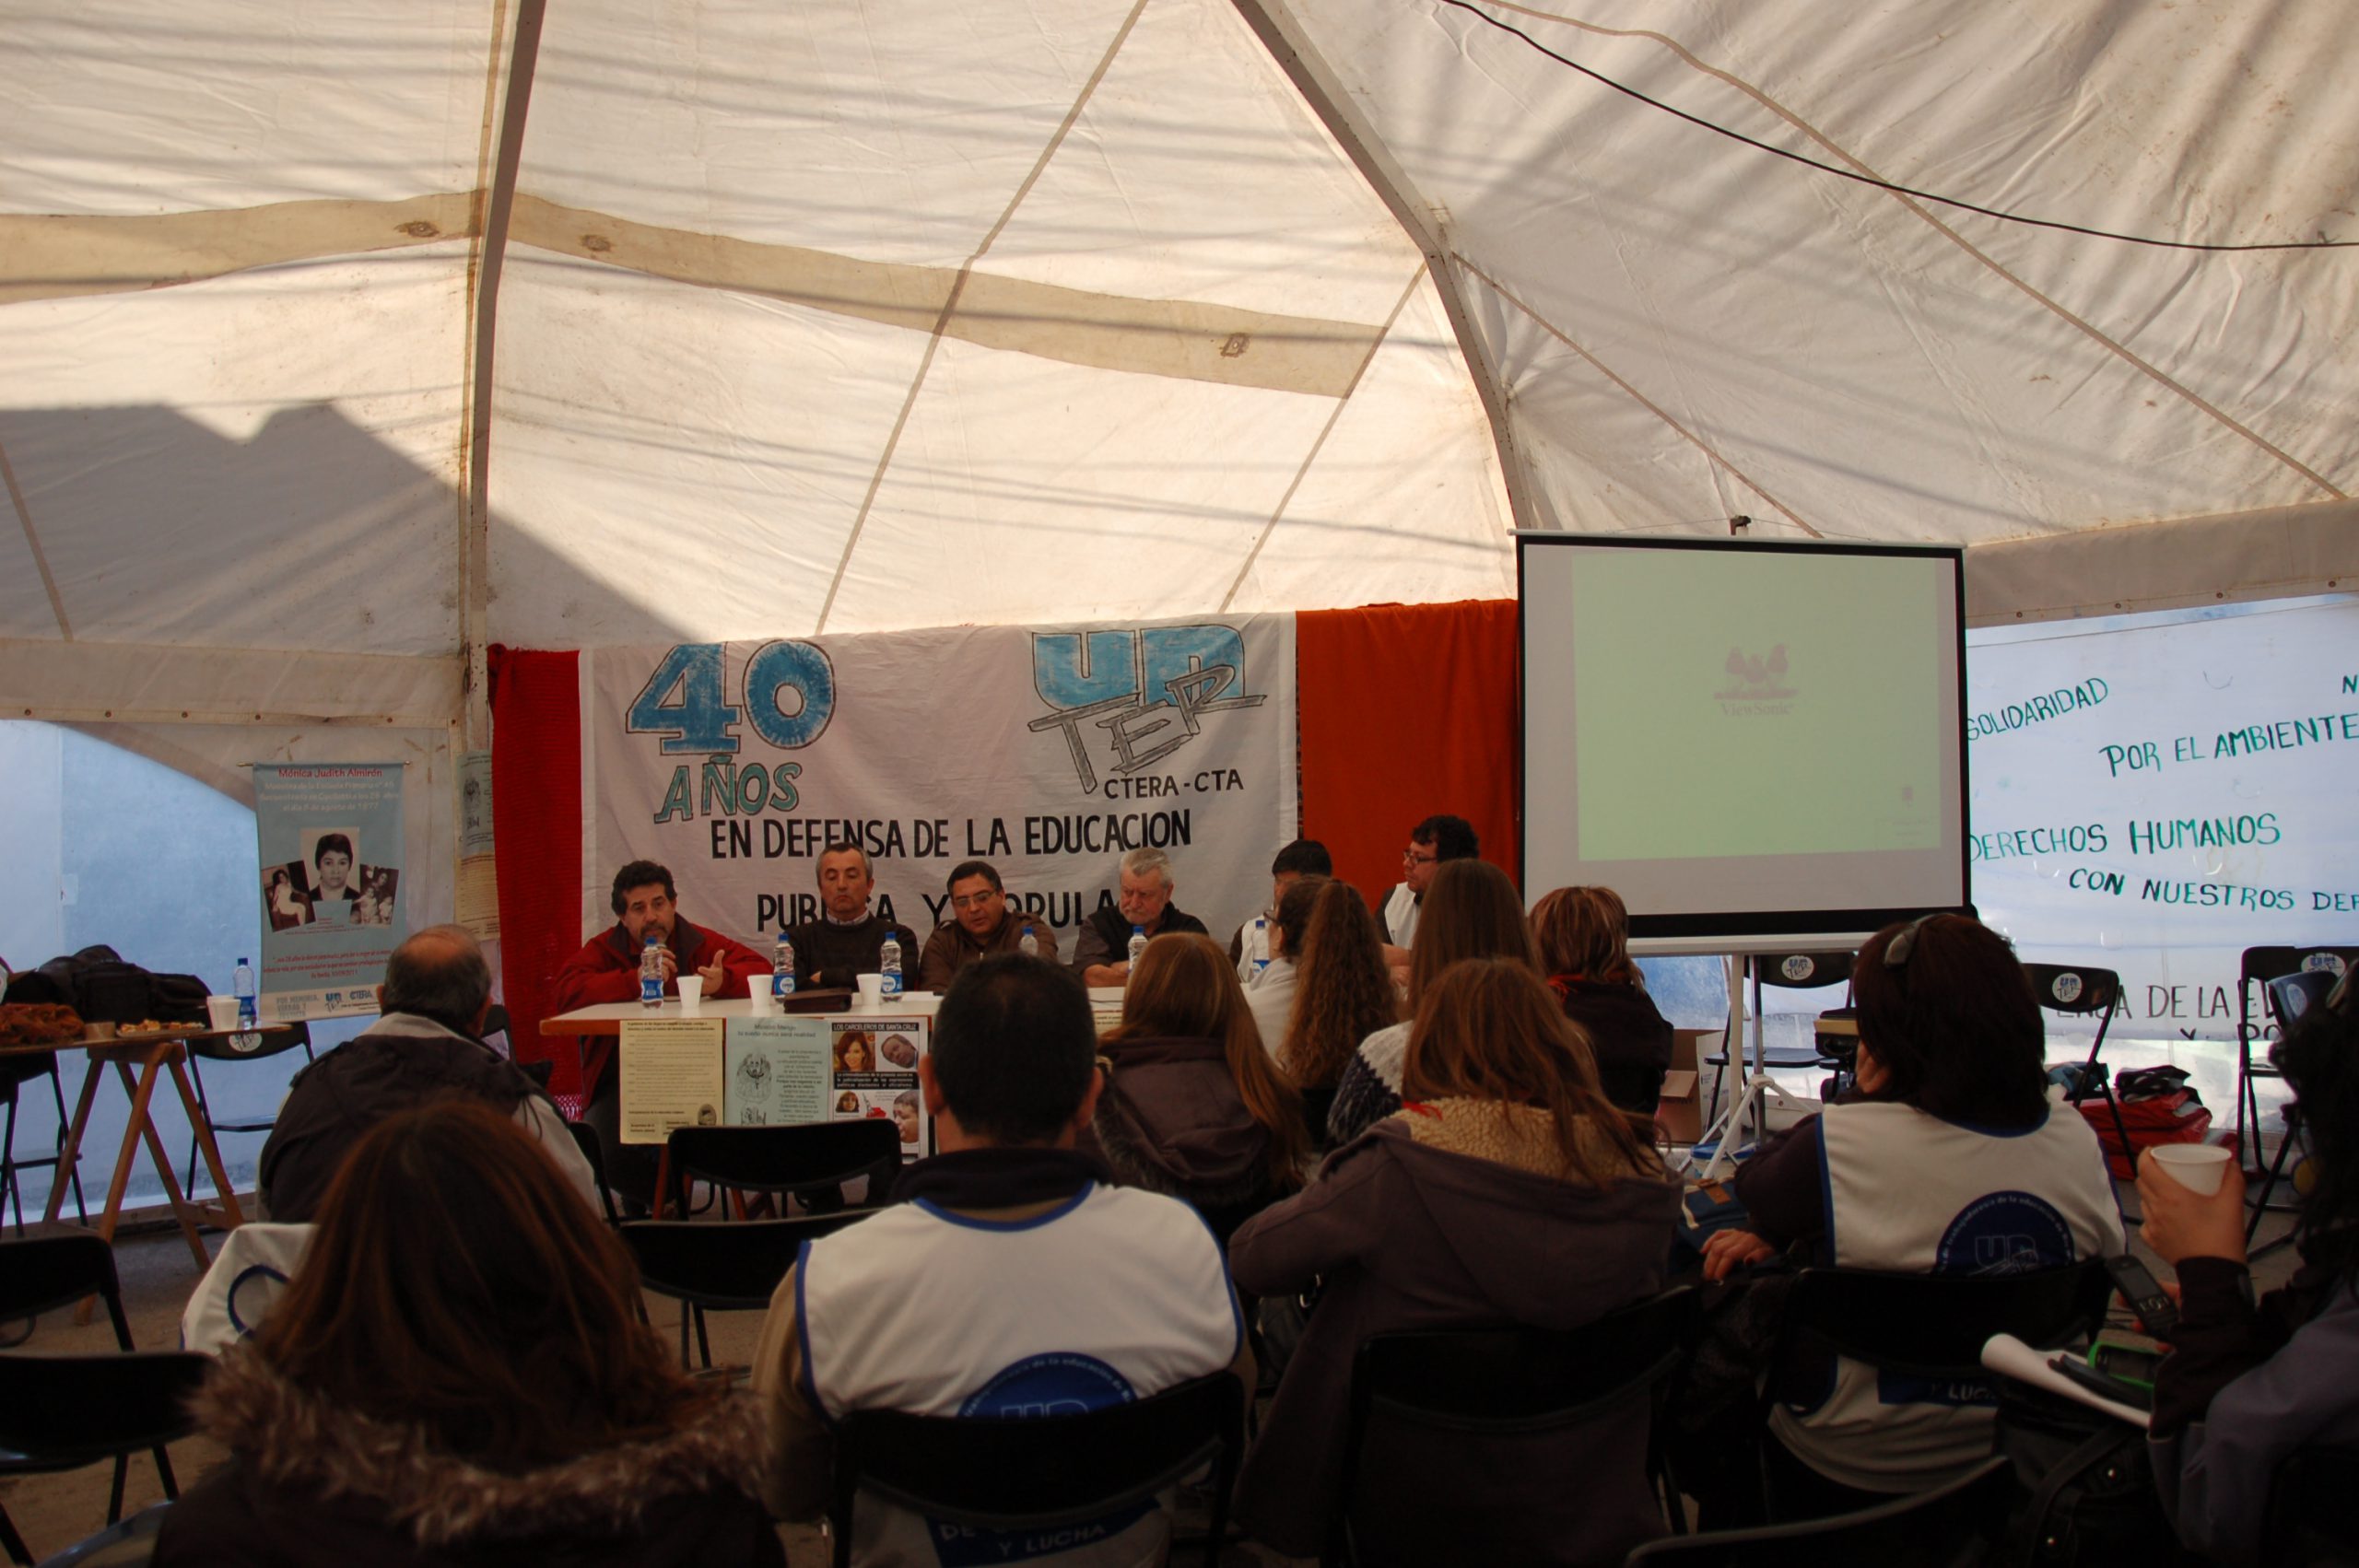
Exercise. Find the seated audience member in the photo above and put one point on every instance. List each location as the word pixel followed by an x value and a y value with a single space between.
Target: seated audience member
pixel 424 1046
pixel 1304 857
pixel 1062 1290
pixel 1505 1190
pixel 1101 950
pixel 2247 1384
pixel 1471 911
pixel 1954 1160
pixel 1433 843
pixel 848 939
pixel 1583 935
pixel 458 1374
pixel 606 970
pixel 1194 1107
pixel 980 924
pixel 1269 991
pixel 1343 993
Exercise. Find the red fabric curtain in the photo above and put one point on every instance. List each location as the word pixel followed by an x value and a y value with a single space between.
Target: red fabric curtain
pixel 1406 710
pixel 536 827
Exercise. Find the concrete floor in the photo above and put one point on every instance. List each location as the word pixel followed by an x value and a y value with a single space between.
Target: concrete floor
pixel 53 1510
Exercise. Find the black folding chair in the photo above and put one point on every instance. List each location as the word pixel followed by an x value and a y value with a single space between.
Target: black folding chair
pixel 274 1043
pixel 1927 1326
pixel 585 1138
pixel 62 1413
pixel 2260 965
pixel 1916 1531
pixel 1479 1394
pixel 2077 992
pixel 1787 971
pixel 722 1268
pixel 812 1160
pixel 1043 1472
pixel 17 1070
pixel 2288 997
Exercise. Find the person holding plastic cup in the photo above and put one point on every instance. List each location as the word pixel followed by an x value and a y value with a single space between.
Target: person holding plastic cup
pixel 2249 1383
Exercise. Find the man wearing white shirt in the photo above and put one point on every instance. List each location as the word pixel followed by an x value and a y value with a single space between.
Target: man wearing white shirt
pixel 1304 857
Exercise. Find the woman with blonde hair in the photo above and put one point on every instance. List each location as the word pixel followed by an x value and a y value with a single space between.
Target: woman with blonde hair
pixel 1583 935
pixel 1506 1188
pixel 1343 990
pixel 459 1373
pixel 1194 1107
pixel 1471 911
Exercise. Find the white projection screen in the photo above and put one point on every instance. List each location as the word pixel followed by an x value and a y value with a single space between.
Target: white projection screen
pixel 1744 740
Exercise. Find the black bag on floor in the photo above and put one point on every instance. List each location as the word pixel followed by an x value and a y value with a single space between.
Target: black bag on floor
pixel 2084 1489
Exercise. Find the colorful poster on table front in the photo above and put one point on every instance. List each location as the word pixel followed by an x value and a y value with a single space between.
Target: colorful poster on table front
pixel 334 884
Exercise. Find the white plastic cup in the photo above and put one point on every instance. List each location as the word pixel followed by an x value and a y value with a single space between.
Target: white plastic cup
pixel 691 992
pixel 222 1012
pixel 872 990
pixel 2199 1167
pixel 764 1001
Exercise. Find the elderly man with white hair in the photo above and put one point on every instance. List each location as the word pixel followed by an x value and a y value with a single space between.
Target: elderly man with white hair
pixel 1102 951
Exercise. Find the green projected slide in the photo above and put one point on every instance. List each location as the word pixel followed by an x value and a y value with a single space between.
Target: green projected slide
pixel 1763 705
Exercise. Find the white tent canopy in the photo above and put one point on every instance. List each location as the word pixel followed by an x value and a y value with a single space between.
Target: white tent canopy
pixel 342 340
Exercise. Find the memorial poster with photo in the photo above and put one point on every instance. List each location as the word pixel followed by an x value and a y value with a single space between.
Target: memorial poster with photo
pixel 1046 751
pixel 793 1068
pixel 333 891
pixel 2156 798
pixel 669 1074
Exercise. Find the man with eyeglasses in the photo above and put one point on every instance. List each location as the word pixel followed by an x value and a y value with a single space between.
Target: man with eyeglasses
pixel 980 924
pixel 1101 949
pixel 1432 841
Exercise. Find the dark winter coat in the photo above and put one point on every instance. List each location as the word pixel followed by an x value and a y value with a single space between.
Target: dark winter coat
pixel 1631 1038
pixel 309 1482
pixel 1170 1120
pixel 1448 1215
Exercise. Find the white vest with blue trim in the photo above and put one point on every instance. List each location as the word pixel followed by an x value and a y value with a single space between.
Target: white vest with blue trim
pixel 1909 1193
pixel 1112 1296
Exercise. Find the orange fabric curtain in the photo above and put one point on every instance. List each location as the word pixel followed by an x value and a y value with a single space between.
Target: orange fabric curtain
pixel 1407 711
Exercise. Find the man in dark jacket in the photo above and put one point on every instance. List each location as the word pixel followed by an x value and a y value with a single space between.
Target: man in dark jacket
pixel 1101 952
pixel 427 1044
pixel 980 924
pixel 848 939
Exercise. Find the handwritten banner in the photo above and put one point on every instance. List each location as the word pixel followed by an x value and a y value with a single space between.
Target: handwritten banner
pixel 1048 752
pixel 2155 799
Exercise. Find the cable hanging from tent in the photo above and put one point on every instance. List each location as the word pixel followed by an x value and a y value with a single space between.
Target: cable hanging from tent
pixel 1870 180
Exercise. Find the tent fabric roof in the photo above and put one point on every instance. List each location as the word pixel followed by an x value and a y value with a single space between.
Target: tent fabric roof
pixel 345 332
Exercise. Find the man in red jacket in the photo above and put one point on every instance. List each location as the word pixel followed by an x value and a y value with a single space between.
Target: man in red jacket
pixel 606 970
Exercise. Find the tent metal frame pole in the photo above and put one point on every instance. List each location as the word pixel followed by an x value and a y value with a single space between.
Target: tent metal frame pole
pixel 499 202
pixel 1291 48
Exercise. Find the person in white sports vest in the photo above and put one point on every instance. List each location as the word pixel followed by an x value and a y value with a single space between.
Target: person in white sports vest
pixel 1954 1159
pixel 1007 1279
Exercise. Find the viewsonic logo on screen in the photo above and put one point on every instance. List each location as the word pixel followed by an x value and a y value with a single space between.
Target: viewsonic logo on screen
pixel 1756 683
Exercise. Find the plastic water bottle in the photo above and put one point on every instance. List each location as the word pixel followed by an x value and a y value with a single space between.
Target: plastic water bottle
pixel 888 963
pixel 242 986
pixel 1138 944
pixel 1030 945
pixel 782 968
pixel 651 975
pixel 1261 943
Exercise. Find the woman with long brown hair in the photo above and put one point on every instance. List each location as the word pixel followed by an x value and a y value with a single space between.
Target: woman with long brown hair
pixel 1343 990
pixel 1471 911
pixel 457 1372
pixel 1583 935
pixel 1506 1188
pixel 1194 1107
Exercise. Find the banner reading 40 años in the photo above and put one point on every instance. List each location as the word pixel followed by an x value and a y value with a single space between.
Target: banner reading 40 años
pixel 1046 751
pixel 2156 798
pixel 333 904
